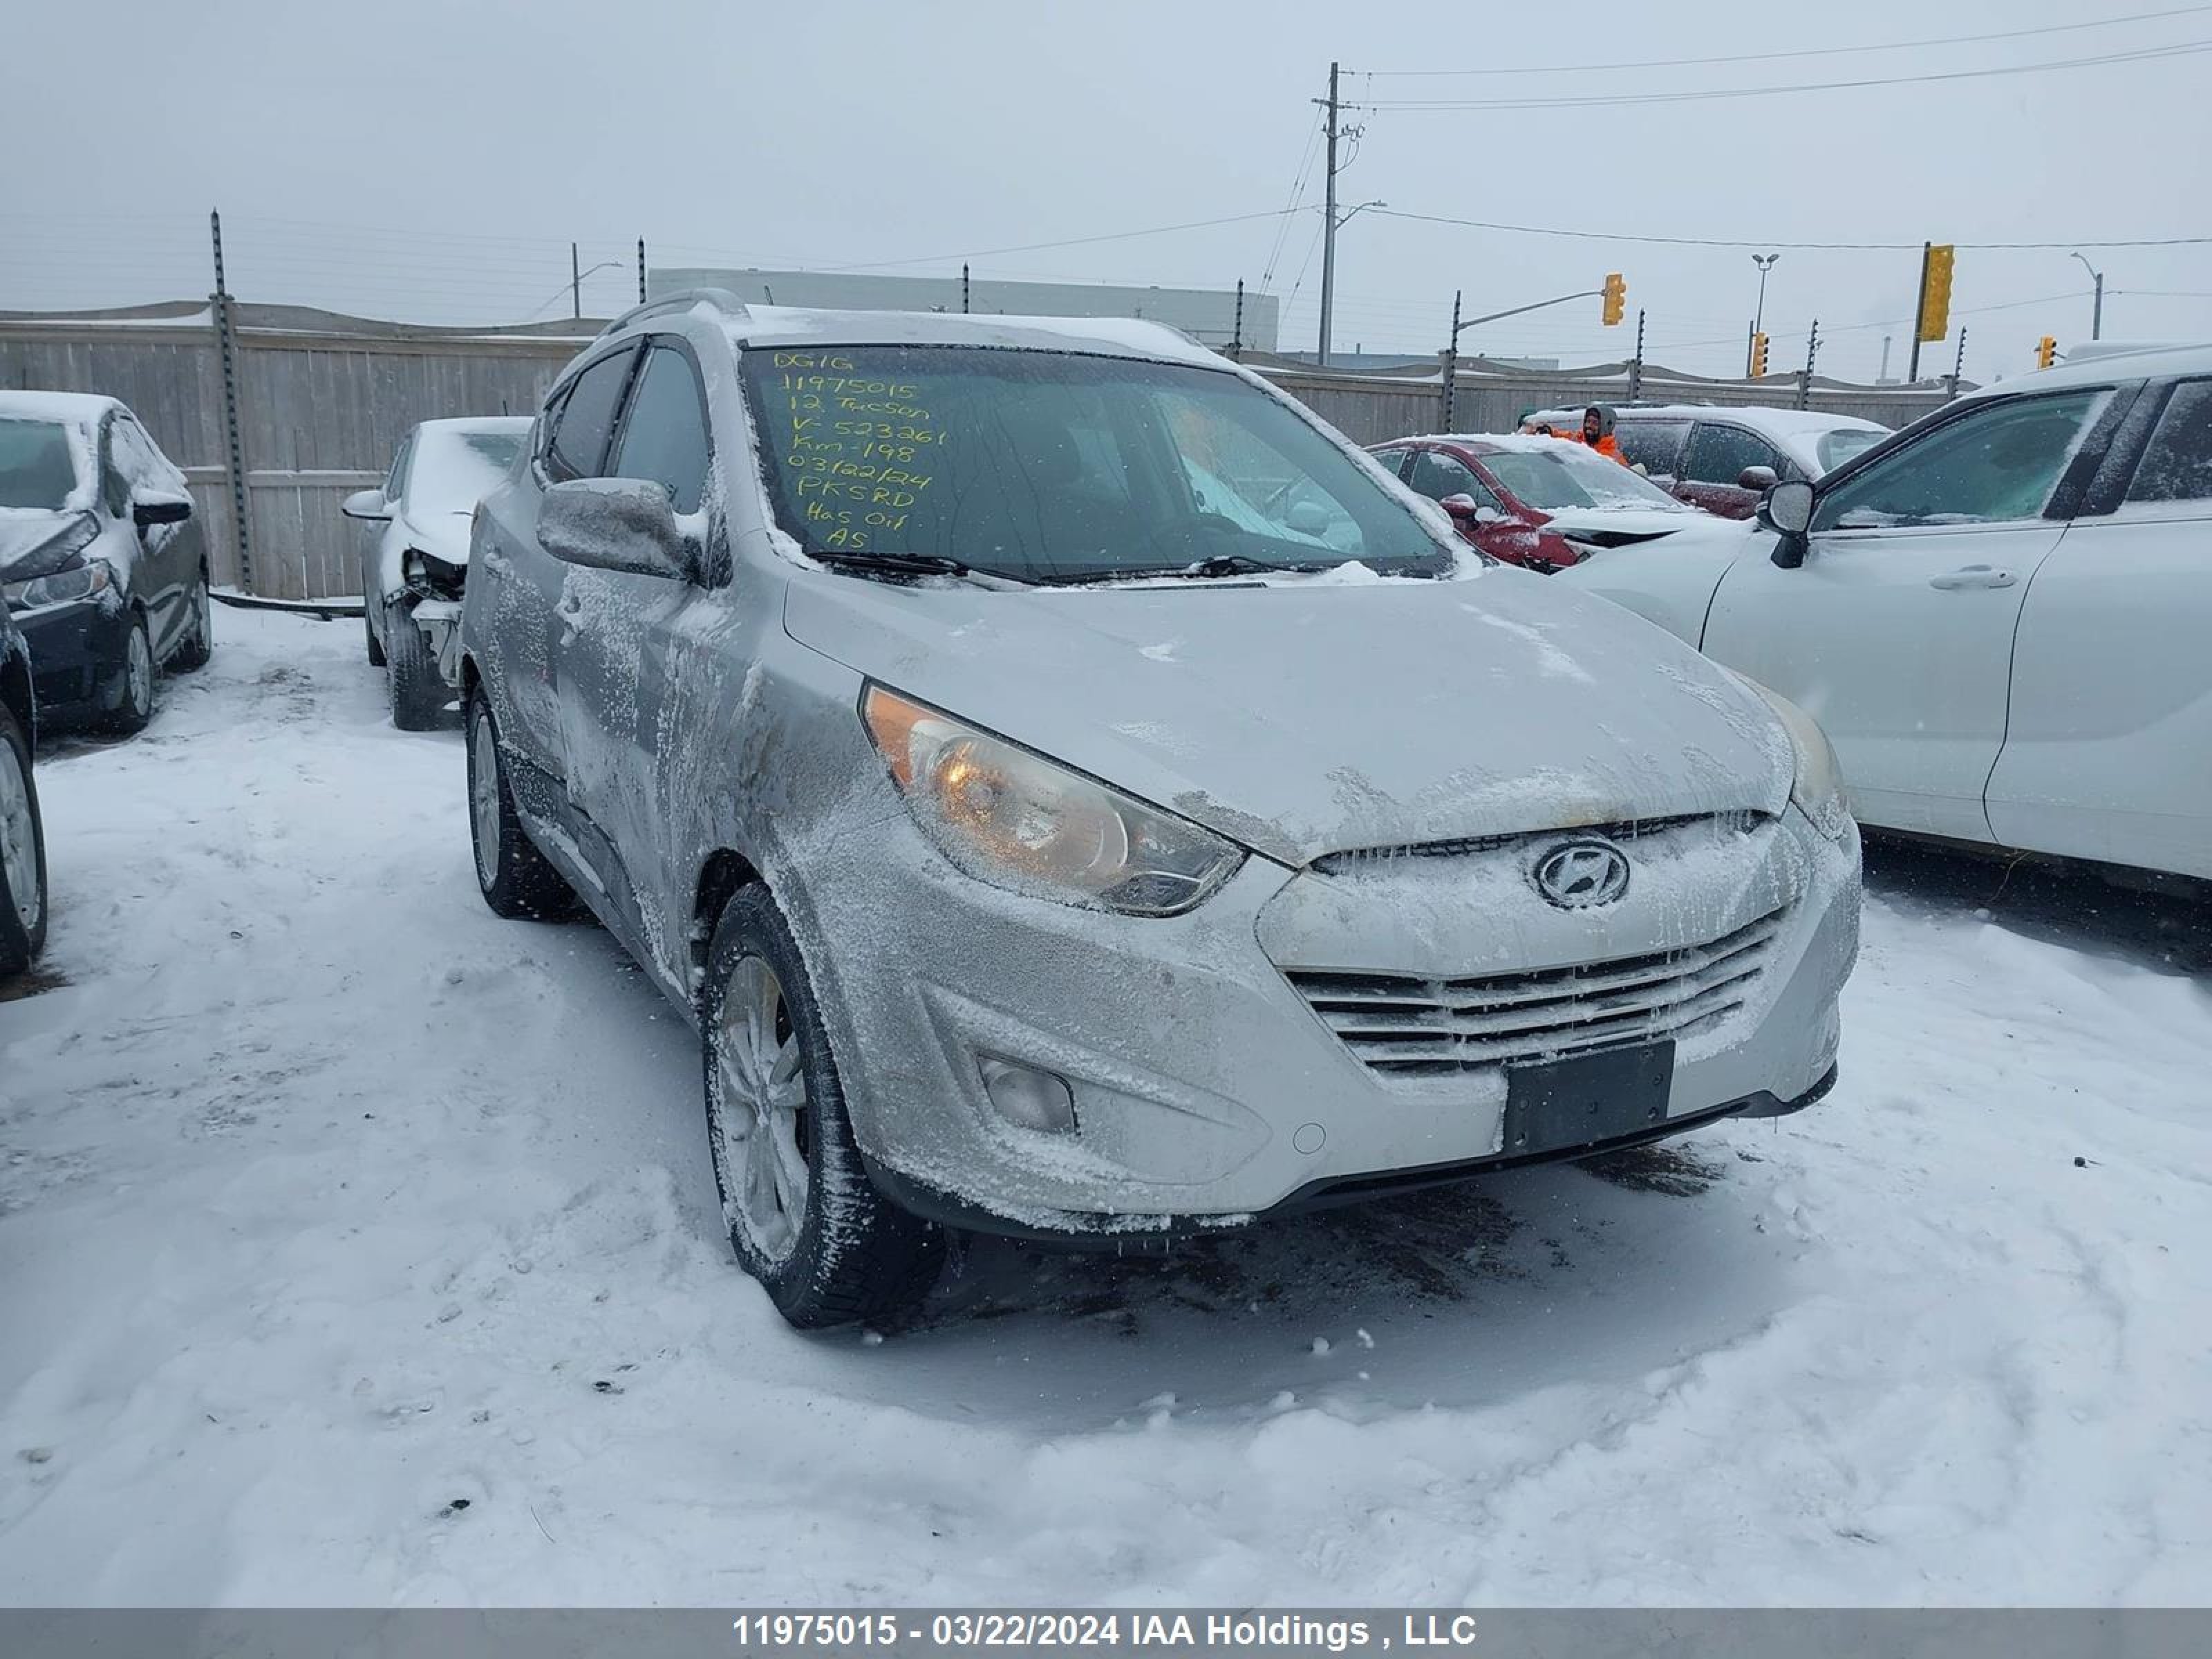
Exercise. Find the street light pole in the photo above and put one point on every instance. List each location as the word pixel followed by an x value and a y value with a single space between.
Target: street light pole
pixel 1766 262
pixel 2097 314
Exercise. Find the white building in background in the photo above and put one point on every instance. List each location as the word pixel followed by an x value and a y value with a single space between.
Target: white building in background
pixel 1207 315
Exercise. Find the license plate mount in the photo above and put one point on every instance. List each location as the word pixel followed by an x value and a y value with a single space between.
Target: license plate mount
pixel 1584 1100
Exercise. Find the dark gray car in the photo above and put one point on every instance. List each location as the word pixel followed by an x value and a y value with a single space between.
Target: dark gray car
pixel 1076 794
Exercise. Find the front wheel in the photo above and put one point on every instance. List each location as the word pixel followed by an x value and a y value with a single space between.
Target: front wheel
pixel 514 878
pixel 135 707
pixel 22 854
pixel 419 692
pixel 802 1215
pixel 199 632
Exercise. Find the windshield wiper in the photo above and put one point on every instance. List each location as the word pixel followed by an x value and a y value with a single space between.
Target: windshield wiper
pixel 908 564
pixel 1220 564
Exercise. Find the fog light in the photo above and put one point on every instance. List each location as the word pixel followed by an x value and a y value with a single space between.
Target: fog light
pixel 1030 1099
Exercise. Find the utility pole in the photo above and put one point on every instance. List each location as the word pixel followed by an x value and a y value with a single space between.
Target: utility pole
pixel 1328 229
pixel 1919 305
pixel 1451 364
pixel 963 288
pixel 575 283
pixel 1884 374
pixel 226 341
pixel 641 270
pixel 1959 364
pixel 1635 363
pixel 1805 379
pixel 1237 329
pixel 2096 315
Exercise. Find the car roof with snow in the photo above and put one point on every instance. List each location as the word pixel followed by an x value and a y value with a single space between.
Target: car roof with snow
pixel 84 408
pixel 1774 422
pixel 1495 443
pixel 476 424
pixel 2154 362
pixel 796 326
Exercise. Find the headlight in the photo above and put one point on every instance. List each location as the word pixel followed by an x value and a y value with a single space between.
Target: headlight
pixel 1818 790
pixel 1017 820
pixel 60 588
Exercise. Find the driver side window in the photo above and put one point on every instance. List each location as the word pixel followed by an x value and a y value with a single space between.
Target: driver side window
pixel 114 478
pixel 1998 464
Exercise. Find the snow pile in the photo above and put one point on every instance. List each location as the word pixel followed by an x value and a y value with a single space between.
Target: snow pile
pixel 328 1201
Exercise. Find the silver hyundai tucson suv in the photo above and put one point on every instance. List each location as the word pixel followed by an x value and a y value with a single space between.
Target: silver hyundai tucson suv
pixel 1076 794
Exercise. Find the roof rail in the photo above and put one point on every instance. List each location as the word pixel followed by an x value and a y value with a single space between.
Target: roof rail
pixel 720 298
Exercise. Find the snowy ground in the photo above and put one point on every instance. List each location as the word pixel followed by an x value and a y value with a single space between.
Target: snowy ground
pixel 328 1201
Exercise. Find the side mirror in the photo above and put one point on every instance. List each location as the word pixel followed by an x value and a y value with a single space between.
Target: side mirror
pixel 150 507
pixel 1461 507
pixel 366 504
pixel 1787 510
pixel 622 524
pixel 1756 478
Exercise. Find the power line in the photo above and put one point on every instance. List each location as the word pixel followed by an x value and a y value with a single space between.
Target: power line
pixel 1718 242
pixel 1809 52
pixel 1602 100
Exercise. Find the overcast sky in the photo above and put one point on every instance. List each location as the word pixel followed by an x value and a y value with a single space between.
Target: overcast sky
pixel 432 161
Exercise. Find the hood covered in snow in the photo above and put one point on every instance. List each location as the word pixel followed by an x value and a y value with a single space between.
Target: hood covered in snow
pixel 1305 718
pixel 24 530
pixel 1618 526
pixel 443 535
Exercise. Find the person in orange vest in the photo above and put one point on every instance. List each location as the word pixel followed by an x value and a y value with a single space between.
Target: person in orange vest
pixel 1597 432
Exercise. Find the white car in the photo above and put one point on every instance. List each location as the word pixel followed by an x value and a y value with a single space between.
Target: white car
pixel 2000 615
pixel 414 570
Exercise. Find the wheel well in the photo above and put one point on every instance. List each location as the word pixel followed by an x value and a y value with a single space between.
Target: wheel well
pixel 470 676
pixel 724 876
pixel 15 694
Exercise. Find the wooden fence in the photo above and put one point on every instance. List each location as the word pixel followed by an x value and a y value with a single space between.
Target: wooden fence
pixel 324 401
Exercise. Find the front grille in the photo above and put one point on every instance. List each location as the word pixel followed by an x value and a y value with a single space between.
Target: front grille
pixel 1402 1026
pixel 1356 858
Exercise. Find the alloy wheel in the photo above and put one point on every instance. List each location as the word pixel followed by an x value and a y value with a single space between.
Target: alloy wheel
pixel 761 1126
pixel 483 797
pixel 19 845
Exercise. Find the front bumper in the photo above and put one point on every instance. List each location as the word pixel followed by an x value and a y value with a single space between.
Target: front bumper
pixel 1208 1087
pixel 78 655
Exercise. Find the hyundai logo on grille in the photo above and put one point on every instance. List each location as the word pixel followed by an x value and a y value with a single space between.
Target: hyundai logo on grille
pixel 1578 874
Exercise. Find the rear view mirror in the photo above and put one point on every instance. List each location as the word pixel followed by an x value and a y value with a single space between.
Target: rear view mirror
pixel 1755 477
pixel 151 507
pixel 1308 517
pixel 622 525
pixel 365 504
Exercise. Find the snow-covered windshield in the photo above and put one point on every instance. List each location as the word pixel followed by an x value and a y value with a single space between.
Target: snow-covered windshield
pixel 452 471
pixel 1564 475
pixel 38 466
pixel 1057 466
pixel 1838 446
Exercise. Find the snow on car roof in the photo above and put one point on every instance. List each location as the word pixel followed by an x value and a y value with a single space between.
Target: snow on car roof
pixel 1766 417
pixel 1117 337
pixel 476 424
pixel 2103 370
pixel 1494 442
pixel 85 408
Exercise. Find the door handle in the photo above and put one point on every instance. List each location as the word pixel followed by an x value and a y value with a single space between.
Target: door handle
pixel 1973 575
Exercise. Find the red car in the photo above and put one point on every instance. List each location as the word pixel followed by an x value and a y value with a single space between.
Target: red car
pixel 1542 502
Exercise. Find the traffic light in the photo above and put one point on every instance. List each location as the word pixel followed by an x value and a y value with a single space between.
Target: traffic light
pixel 2046 351
pixel 1758 357
pixel 1615 292
pixel 1936 292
